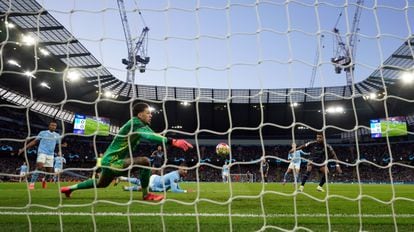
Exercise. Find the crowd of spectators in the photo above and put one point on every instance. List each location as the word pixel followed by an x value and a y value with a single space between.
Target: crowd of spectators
pixel 369 162
pixel 372 165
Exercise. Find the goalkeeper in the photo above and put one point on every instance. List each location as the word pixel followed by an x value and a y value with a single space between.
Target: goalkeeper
pixel 117 157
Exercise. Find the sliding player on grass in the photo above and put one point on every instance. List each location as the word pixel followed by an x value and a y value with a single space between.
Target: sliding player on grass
pixel 317 157
pixel 158 183
pixel 118 156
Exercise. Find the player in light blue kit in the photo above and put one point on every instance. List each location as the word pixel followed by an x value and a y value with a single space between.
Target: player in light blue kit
pixel 47 140
pixel 135 181
pixel 59 161
pixel 159 183
pixel 225 173
pixel 23 171
pixel 295 160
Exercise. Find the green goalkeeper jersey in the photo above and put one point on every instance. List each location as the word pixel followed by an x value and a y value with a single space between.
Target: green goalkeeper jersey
pixel 134 130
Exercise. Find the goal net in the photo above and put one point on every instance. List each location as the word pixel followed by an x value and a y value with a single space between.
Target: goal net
pixel 242 177
pixel 258 75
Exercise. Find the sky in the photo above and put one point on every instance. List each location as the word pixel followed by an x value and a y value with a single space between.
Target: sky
pixel 237 44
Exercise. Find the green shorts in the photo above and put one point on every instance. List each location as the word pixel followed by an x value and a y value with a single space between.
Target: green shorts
pixel 109 169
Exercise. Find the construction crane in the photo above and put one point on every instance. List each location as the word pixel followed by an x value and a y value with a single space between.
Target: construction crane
pixel 316 62
pixel 137 53
pixel 344 53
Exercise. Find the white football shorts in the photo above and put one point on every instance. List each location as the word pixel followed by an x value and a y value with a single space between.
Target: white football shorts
pixel 294 166
pixel 47 160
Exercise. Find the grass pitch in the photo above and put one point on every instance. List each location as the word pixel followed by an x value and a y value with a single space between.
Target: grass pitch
pixel 213 207
pixel 92 126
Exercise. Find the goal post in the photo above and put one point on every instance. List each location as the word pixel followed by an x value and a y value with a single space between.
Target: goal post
pixel 242 177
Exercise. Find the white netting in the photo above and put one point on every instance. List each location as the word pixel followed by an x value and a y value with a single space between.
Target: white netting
pixel 254 74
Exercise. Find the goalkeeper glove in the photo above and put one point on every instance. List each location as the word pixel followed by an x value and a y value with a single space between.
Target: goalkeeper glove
pixel 181 143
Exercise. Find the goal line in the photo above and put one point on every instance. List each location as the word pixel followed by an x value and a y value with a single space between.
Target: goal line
pixel 204 215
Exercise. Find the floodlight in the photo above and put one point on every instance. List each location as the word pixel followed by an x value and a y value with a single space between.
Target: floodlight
pixel 330 110
pixel 185 103
pixel 29 74
pixel 108 93
pixel 407 77
pixel 73 75
pixel 44 51
pixel 339 109
pixel 44 84
pixel 13 62
pixel 10 25
pixel 335 110
pixel 28 40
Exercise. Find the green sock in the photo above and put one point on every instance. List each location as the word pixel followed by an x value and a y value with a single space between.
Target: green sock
pixel 87 184
pixel 144 178
pixel 144 192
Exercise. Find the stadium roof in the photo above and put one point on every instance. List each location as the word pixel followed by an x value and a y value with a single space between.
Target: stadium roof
pixel 68 55
pixel 33 20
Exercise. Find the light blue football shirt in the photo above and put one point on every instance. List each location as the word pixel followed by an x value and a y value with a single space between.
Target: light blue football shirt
pixel 23 168
pixel 59 161
pixel 296 156
pixel 48 141
pixel 170 182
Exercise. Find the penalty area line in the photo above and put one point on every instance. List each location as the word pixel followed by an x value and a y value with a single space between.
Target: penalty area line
pixel 11 213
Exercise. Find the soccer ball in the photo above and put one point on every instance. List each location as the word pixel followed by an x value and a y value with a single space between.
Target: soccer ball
pixel 222 149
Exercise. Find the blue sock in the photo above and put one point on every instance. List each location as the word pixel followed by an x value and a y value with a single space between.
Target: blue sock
pixel 35 175
pixel 134 181
pixel 286 176
pixel 132 188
